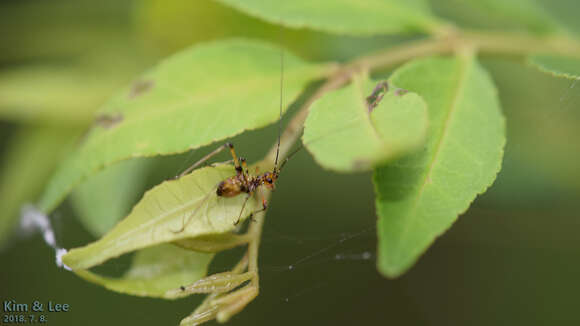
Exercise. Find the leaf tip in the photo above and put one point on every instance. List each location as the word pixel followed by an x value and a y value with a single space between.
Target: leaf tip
pixel 391 268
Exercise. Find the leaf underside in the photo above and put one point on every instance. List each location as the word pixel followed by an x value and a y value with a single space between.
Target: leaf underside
pixel 156 271
pixel 108 196
pixel 184 208
pixel 351 17
pixel 421 195
pixel 344 134
pixel 200 95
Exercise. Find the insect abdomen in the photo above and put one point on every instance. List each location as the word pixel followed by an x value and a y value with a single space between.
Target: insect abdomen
pixel 230 188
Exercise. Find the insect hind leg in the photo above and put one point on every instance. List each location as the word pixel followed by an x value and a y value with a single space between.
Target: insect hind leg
pixel 216 164
pixel 242 210
pixel 228 145
pixel 264 207
pixel 251 216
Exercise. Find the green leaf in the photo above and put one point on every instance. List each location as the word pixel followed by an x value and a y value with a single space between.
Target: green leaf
pixel 187 207
pixel 51 94
pixel 344 134
pixel 421 195
pixel 29 158
pixel 526 14
pixel 198 96
pixel 213 243
pixel 352 17
pixel 155 272
pixel 558 66
pixel 108 196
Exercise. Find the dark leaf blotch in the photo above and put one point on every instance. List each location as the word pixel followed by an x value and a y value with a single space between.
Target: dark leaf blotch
pixel 140 87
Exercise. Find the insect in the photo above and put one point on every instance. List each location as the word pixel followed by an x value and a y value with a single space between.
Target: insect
pixel 243 182
pixel 377 95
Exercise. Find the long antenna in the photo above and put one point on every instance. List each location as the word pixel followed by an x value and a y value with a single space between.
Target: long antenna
pixel 290 156
pixel 281 89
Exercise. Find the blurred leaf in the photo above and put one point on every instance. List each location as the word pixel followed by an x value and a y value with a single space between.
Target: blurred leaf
pixel 351 17
pixel 184 208
pixel 344 134
pixel 558 66
pixel 52 94
pixel 27 163
pixel 108 196
pixel 421 195
pixel 171 25
pixel 566 13
pixel 61 29
pixel 199 96
pixel 155 271
pixel 175 24
pixel 523 12
pixel 526 15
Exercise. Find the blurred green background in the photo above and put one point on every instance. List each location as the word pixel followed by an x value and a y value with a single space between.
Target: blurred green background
pixel 513 258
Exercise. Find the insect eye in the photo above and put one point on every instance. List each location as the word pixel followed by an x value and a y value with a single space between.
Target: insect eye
pixel 269 180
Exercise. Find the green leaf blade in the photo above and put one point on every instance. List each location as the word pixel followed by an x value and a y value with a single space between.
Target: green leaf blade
pixel 155 272
pixel 559 66
pixel 351 17
pixel 420 196
pixel 187 207
pixel 343 134
pixel 196 97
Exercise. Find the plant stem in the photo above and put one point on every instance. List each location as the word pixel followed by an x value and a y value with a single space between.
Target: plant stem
pixel 520 44
pixel 255 233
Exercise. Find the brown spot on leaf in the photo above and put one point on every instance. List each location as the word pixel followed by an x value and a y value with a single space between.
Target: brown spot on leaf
pixel 401 92
pixel 361 164
pixel 140 87
pixel 108 121
pixel 377 95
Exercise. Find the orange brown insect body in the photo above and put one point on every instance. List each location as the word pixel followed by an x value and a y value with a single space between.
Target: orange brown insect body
pixel 238 184
pixel 243 182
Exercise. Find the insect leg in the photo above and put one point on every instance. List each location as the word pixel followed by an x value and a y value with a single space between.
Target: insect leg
pixel 242 210
pixel 210 155
pixel 245 171
pixel 235 158
pixel 213 165
pixel 264 207
pixel 216 164
pixel 203 159
pixel 377 95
